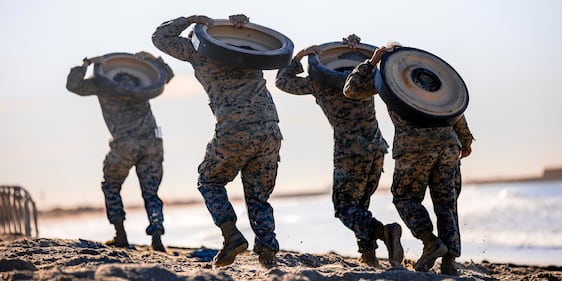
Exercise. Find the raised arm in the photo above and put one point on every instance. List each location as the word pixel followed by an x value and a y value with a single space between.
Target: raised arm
pixel 287 79
pixel 360 83
pixel 168 40
pixel 76 83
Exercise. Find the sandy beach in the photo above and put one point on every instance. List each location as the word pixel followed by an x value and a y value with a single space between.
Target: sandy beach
pixel 24 258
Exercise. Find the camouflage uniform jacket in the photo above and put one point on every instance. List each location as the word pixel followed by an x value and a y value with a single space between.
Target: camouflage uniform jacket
pixel 407 137
pixel 125 117
pixel 237 96
pixel 356 130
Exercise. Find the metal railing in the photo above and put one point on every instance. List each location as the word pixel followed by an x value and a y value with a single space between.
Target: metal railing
pixel 18 214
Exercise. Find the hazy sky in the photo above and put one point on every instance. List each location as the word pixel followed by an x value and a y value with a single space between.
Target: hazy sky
pixel 53 142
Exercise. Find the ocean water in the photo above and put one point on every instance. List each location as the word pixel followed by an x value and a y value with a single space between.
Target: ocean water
pixel 519 223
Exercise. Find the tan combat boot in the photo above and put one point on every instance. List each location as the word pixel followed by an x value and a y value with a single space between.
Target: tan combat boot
pixel 449 266
pixel 234 244
pixel 266 258
pixel 433 248
pixel 120 239
pixel 392 234
pixel 157 242
pixel 368 248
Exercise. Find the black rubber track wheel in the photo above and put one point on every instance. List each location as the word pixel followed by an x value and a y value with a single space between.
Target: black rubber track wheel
pixel 422 88
pixel 335 61
pixel 151 75
pixel 251 47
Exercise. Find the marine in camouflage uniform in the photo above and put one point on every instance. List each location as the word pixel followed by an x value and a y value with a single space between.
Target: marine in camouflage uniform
pixel 424 157
pixel 359 150
pixel 135 142
pixel 247 139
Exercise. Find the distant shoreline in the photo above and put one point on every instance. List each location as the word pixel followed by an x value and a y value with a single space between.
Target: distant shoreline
pixel 59 211
pixel 549 174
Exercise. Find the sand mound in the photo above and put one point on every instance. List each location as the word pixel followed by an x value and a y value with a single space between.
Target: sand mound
pixel 63 259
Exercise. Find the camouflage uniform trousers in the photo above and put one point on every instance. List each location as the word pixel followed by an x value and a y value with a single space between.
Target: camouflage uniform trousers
pixel 254 150
pixel 355 180
pixel 146 154
pixel 437 169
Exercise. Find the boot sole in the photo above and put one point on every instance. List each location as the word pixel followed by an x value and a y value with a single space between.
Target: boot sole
pixel 229 258
pixel 425 263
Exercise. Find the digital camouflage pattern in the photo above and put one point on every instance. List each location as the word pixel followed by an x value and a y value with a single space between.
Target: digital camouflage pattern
pixel 247 136
pixel 436 169
pixel 424 157
pixel 134 143
pixel 356 130
pixel 147 157
pixel 360 85
pixel 237 96
pixel 466 138
pixel 463 132
pixel 235 149
pixel 359 148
